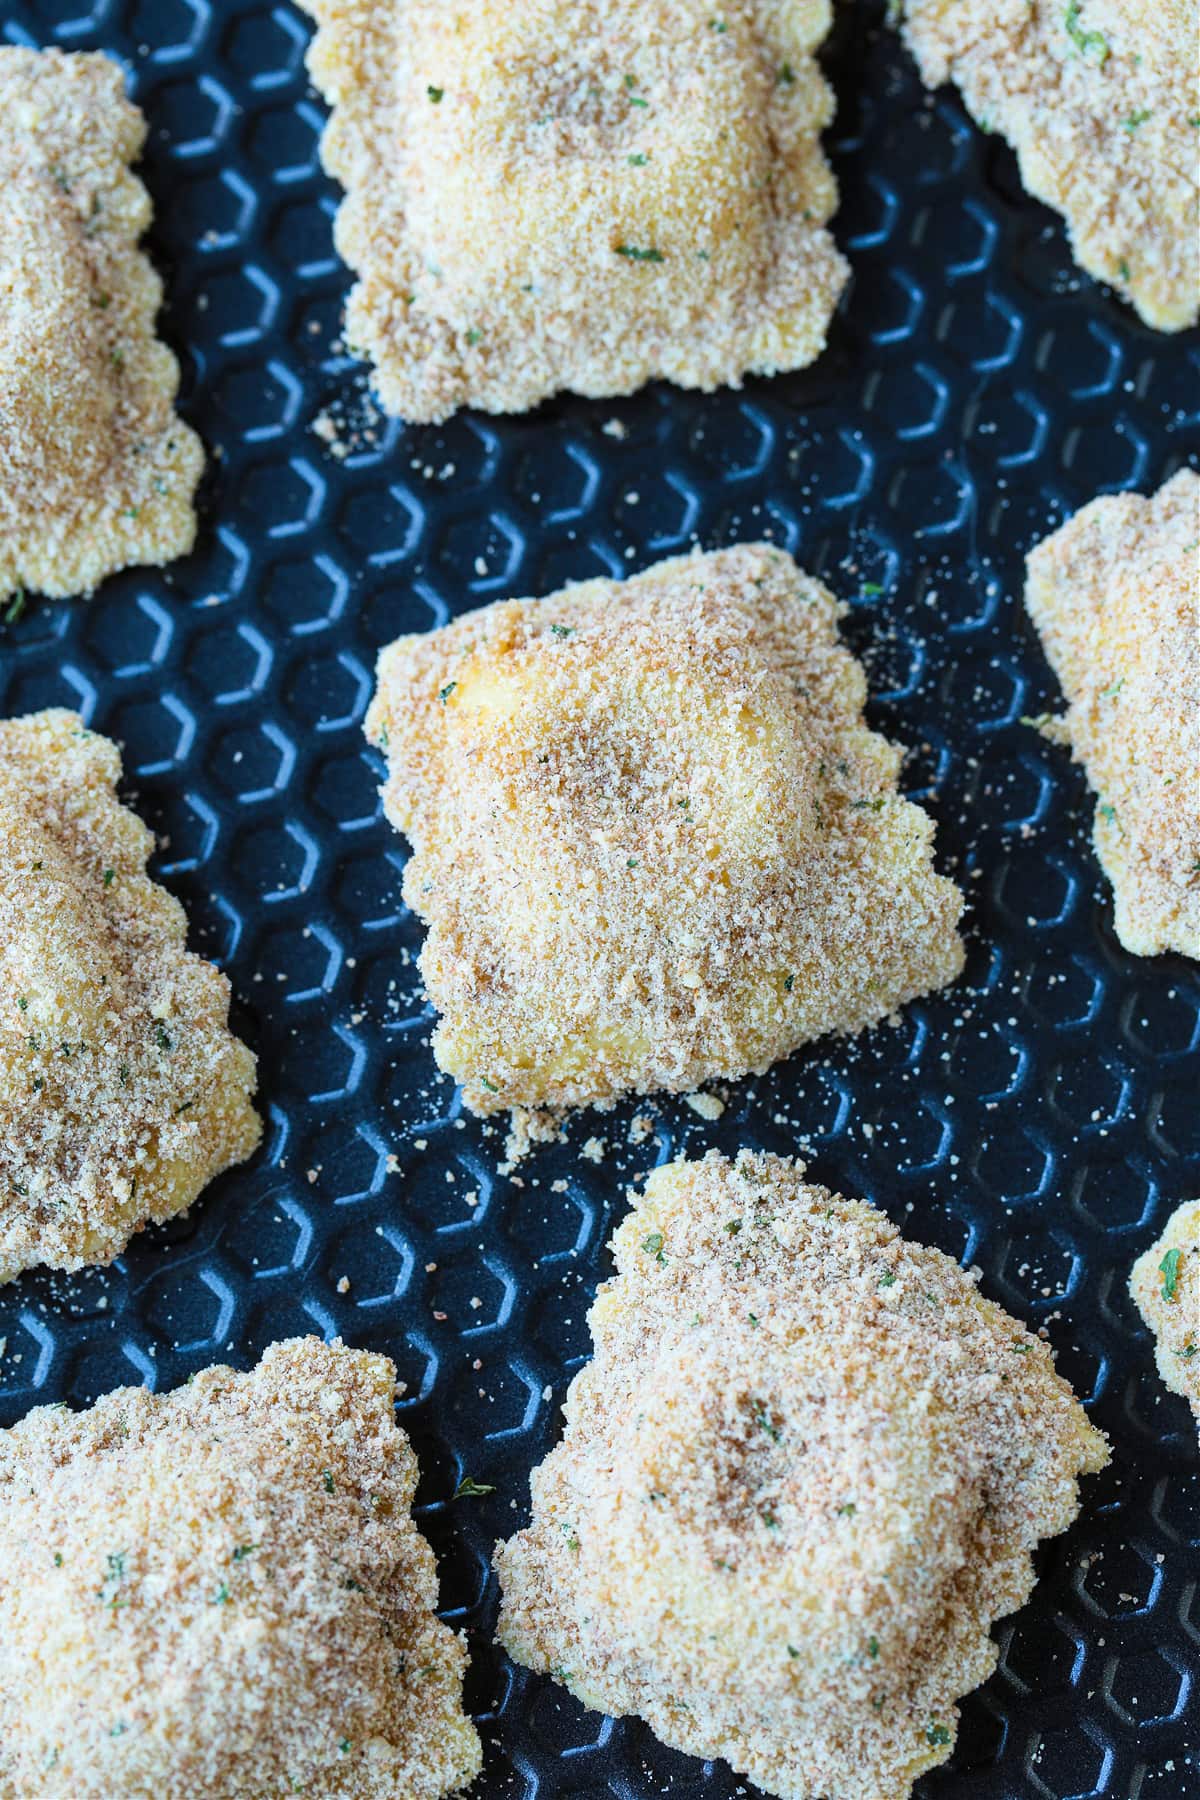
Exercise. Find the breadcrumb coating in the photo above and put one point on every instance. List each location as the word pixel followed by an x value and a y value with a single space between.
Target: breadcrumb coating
pixel 220 1591
pixel 551 195
pixel 96 471
pixel 1115 595
pixel 1165 1283
pixel 801 1476
pixel 122 1091
pixel 653 839
pixel 1100 99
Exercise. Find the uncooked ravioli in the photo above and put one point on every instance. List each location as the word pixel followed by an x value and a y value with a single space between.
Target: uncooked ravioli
pixel 1101 101
pixel 801 1476
pixel 220 1591
pixel 96 471
pixel 122 1090
pixel 654 840
pixel 582 194
pixel 1115 595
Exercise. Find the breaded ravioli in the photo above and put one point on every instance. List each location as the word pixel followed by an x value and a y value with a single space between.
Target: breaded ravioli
pixel 220 1591
pixel 1165 1283
pixel 583 194
pixel 653 839
pixel 1100 99
pixel 96 471
pixel 802 1475
pixel 122 1091
pixel 1115 595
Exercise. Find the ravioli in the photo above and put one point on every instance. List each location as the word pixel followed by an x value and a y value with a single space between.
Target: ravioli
pixel 1165 1283
pixel 1100 99
pixel 1114 594
pixel 653 839
pixel 221 1591
pixel 551 195
pixel 122 1091
pixel 802 1475
pixel 96 471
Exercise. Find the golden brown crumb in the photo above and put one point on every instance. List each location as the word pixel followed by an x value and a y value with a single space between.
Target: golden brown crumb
pixel 553 196
pixel 221 1592
pixel 801 1476
pixel 122 1092
pixel 1113 594
pixel 96 471
pixel 1165 1283
pixel 653 839
pixel 1099 99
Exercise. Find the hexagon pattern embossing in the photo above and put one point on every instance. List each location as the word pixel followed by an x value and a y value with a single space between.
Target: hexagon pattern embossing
pixel 1039 1119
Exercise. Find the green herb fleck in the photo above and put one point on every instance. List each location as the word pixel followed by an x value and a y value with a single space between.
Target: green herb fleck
pixel 243 1551
pixel 162 1036
pixel 470 1490
pixel 435 94
pixel 887 1279
pixel 1136 118
pixel 445 693
pixel 1107 812
pixel 847 1510
pixel 638 160
pixel 327 1478
pixel 1084 42
pixel 1168 1268
pixel 785 74
pixel 764 1421
pixel 872 1647
pixel 489 1085
pixel 15 608
pixel 221 1595
pixel 561 630
pixel 110 875
pixel 937 1734
pixel 474 335
pixel 653 1246
pixel 633 254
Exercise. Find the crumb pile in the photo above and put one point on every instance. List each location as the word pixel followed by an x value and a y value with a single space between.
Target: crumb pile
pixel 1101 101
pixel 552 195
pixel 1165 1283
pixel 96 472
pixel 801 1476
pixel 653 839
pixel 1115 595
pixel 221 1591
pixel 122 1091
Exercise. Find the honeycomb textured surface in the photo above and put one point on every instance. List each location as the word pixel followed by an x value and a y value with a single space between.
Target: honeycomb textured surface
pixel 1038 1119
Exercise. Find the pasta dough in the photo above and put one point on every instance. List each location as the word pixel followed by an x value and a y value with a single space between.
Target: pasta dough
pixel 801 1476
pixel 96 471
pixel 1101 102
pixel 1165 1283
pixel 122 1092
pixel 1114 595
pixel 552 195
pixel 653 840
pixel 221 1591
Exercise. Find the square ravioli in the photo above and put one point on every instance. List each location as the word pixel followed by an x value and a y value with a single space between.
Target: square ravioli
pixel 122 1090
pixel 96 471
pixel 653 839
pixel 802 1475
pixel 546 195
pixel 1115 595
pixel 1165 1283
pixel 220 1591
pixel 1099 100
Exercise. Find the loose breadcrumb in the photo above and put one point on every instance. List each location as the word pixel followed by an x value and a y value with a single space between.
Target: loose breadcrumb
pixel 1100 100
pixel 220 1591
pixel 1165 1283
pixel 801 1476
pixel 1114 595
pixel 653 839
pixel 96 471
pixel 553 195
pixel 122 1091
